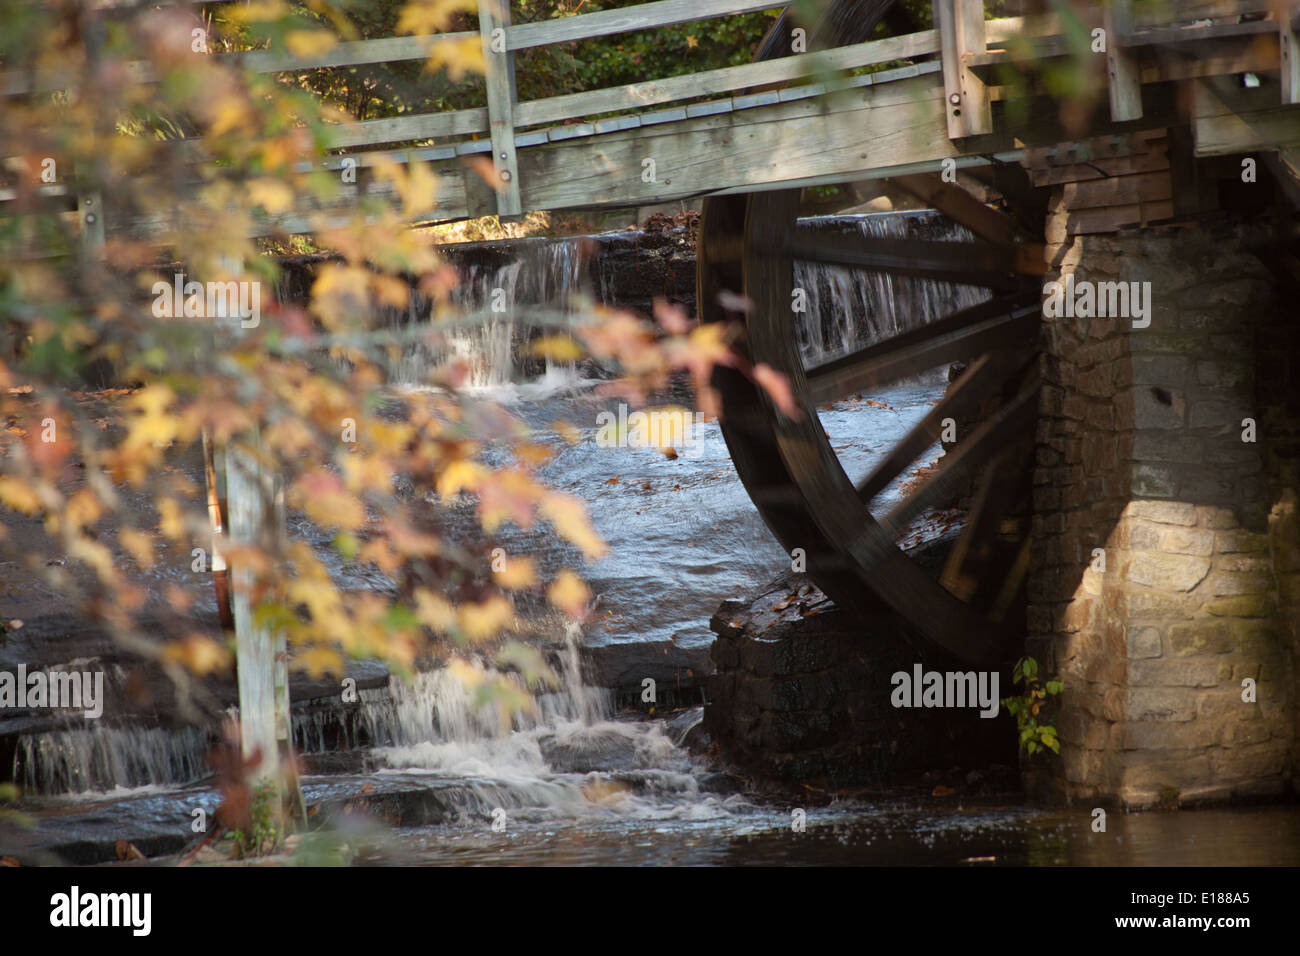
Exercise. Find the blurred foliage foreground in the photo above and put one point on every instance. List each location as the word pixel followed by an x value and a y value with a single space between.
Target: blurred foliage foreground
pixel 112 478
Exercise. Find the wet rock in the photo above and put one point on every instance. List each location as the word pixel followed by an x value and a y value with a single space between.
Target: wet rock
pixel 679 673
pixel 801 694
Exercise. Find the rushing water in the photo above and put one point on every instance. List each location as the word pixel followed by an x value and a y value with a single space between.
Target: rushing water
pixel 566 779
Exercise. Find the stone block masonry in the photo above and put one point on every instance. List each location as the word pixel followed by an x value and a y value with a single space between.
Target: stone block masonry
pixel 1193 600
pixel 802 694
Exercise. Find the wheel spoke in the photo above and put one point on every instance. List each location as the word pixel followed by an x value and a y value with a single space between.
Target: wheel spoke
pixel 973 263
pixel 1012 419
pixel 902 356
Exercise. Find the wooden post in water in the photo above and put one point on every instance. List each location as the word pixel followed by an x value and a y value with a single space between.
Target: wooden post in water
pixel 255 503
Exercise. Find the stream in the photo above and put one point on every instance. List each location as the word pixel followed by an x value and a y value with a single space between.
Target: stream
pixel 573 780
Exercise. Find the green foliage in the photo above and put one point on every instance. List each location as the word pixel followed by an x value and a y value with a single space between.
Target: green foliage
pixel 265 831
pixel 1036 729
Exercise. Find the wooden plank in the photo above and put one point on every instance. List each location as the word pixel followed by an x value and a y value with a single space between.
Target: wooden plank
pixel 399 129
pixel 1125 81
pixel 1154 12
pixel 1010 421
pixel 978 381
pixel 351 53
pixel 765 145
pixel 1288 44
pixel 893 360
pixel 958 204
pixel 1086 222
pixel 1233 120
pixel 556 109
pixel 643 16
pixel 961 35
pixel 1100 169
pixel 1118 191
pixel 975 263
pixel 500 77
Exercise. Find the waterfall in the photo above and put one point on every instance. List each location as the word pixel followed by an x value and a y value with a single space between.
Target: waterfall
pixel 852 308
pixel 503 281
pixel 96 758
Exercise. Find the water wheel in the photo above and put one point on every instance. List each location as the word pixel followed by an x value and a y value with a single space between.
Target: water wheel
pixel 747 246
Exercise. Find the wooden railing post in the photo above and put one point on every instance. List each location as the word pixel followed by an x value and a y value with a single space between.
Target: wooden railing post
pixel 494 20
pixel 1122 70
pixel 1286 12
pixel 961 33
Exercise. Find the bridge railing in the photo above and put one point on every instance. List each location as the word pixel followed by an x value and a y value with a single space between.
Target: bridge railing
pixel 964 46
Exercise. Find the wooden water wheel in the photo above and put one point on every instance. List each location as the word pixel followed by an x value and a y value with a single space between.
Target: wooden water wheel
pixel 748 245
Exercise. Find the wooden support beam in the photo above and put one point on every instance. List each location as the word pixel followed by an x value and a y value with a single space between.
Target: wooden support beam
pixel 494 19
pixel 905 355
pixel 1122 70
pixel 980 380
pixel 961 36
pixel 1229 119
pixel 1288 51
pixel 975 263
pixel 956 203
pixel 1014 419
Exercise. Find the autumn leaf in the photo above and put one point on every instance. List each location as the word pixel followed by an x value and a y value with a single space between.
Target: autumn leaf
pixel 200 654
pixel 518 573
pixel 305 43
pixel 778 387
pixel 570 519
pixel 322 497
pixel 486 619
pixel 569 594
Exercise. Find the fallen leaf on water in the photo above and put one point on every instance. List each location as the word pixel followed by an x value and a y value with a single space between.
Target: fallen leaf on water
pixel 942 791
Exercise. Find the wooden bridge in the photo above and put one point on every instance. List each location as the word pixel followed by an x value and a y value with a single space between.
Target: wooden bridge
pixel 817 117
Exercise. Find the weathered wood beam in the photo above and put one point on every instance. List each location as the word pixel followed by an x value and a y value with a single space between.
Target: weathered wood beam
pixel 500 76
pixel 889 361
pixel 1288 41
pixel 1010 421
pixel 1125 79
pixel 959 205
pixel 962 35
pixel 975 383
pixel 975 263
pixel 1230 119
pixel 642 16
pixel 555 109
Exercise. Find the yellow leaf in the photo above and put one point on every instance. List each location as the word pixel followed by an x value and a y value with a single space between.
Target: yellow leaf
pixel 518 573
pixel 18 495
pixel 570 519
pixel 460 474
pixel 557 348
pixel 458 57
pixel 434 611
pixel 569 594
pixel 309 42
pixel 318 661
pixel 199 654
pixel 273 195
pixel 138 545
pixel 485 620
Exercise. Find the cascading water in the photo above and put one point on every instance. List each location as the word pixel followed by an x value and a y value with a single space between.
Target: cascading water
pixel 694 535
pixel 851 308
pixel 98 758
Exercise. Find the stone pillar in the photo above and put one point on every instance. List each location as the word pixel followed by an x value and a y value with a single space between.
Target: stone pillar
pixel 1140 454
